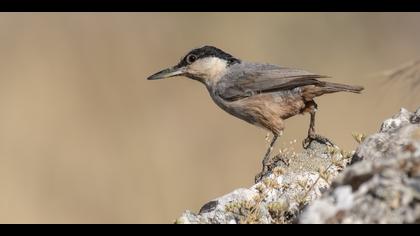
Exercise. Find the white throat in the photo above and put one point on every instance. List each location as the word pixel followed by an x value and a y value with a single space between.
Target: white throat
pixel 210 69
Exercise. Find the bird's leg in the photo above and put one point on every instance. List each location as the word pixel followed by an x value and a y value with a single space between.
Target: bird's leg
pixel 311 131
pixel 266 160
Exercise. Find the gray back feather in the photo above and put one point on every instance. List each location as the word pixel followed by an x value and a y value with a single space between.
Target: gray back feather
pixel 248 79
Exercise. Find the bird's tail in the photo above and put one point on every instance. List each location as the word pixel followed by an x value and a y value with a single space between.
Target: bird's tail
pixel 312 91
pixel 330 87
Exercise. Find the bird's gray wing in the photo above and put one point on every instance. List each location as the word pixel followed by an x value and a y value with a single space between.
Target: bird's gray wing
pixel 245 80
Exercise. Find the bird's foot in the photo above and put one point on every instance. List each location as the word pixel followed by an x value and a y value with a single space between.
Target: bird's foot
pixel 259 176
pixel 267 163
pixel 316 137
pixel 268 166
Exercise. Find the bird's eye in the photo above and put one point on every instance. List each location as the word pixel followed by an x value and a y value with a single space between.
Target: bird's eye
pixel 191 58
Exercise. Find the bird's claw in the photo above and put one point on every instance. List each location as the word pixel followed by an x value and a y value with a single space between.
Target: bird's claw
pixel 316 137
pixel 266 168
pixel 258 177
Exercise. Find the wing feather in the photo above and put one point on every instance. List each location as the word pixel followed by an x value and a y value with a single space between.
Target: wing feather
pixel 248 79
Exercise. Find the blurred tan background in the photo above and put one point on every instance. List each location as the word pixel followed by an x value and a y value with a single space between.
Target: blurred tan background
pixel 85 138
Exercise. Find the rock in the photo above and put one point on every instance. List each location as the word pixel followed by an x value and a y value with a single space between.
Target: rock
pixel 378 183
pixel 292 181
pixel 382 185
pixel 393 135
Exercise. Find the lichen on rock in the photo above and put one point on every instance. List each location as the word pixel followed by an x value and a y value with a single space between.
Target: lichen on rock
pixel 378 183
pixel 291 183
pixel 383 183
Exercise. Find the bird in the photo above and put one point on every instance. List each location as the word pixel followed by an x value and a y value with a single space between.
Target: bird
pixel 262 94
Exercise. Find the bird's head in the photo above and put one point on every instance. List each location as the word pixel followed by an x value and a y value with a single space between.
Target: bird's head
pixel 205 64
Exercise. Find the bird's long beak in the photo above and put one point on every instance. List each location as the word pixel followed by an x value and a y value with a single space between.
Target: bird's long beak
pixel 170 72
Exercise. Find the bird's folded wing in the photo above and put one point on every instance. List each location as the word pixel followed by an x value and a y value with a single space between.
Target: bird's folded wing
pixel 252 79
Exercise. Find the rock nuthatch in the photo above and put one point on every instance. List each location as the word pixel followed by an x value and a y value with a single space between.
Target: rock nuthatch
pixel 261 94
